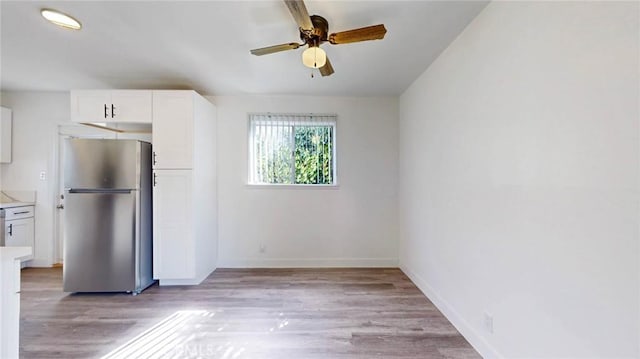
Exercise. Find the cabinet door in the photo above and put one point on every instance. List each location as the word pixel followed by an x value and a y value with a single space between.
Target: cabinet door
pixel 5 135
pixel 173 244
pixel 89 106
pixel 173 129
pixel 130 106
pixel 19 233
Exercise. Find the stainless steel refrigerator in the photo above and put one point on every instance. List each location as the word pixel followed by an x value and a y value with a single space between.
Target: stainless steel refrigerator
pixel 107 216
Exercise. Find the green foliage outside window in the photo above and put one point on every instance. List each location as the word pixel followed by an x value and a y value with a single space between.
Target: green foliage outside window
pixel 301 154
pixel 313 153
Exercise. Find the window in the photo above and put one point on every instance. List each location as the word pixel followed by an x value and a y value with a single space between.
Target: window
pixel 292 149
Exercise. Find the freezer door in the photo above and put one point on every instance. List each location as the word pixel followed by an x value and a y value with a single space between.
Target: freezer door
pixel 100 242
pixel 93 163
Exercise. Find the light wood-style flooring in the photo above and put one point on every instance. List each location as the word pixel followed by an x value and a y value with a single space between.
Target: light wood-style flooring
pixel 241 313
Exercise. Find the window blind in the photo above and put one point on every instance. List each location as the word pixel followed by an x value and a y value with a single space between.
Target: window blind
pixel 292 149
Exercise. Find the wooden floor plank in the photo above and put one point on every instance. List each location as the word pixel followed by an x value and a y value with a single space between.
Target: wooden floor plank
pixel 241 313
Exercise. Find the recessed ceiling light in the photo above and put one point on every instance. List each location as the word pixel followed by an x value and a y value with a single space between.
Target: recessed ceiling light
pixel 61 19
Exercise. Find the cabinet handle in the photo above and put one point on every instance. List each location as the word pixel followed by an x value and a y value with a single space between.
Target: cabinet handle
pixel 154 158
pixel 155 179
pixel 113 111
pixel 23 212
pixel 11 230
pixel 105 110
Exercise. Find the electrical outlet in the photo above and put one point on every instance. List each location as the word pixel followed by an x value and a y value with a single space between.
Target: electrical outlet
pixel 263 248
pixel 43 175
pixel 488 322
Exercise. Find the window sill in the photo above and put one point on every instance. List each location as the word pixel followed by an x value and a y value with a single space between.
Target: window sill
pixel 294 186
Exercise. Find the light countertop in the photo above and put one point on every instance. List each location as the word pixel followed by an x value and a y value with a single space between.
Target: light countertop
pixel 11 253
pixel 15 204
pixel 10 199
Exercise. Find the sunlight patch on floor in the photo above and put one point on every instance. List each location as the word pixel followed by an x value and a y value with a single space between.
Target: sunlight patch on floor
pixel 173 338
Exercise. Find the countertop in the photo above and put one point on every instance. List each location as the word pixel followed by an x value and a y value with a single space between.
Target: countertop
pixel 11 253
pixel 15 204
pixel 10 199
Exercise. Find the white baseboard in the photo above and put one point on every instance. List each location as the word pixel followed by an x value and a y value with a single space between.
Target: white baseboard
pixel 308 263
pixel 190 281
pixel 39 263
pixel 470 334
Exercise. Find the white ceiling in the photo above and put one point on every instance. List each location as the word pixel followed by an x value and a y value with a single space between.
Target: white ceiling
pixel 205 45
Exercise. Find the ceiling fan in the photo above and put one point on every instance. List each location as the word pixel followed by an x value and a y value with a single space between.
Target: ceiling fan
pixel 314 30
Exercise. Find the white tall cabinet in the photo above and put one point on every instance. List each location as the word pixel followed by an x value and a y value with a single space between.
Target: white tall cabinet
pixel 5 135
pixel 185 187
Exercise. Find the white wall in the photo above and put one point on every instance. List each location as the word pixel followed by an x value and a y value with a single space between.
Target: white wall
pixel 353 225
pixel 36 116
pixel 519 180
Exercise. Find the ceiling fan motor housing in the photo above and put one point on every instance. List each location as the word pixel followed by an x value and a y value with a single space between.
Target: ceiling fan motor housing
pixel 319 33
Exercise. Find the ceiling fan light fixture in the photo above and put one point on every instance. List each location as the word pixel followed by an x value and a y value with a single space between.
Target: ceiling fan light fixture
pixel 61 19
pixel 314 57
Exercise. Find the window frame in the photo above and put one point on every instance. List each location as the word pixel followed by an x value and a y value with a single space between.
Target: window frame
pixel 251 161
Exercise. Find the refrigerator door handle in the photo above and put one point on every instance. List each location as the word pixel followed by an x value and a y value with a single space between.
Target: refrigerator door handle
pixel 101 190
pixel 2 229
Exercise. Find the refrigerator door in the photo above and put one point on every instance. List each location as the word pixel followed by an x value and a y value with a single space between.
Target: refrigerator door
pixel 100 241
pixel 101 164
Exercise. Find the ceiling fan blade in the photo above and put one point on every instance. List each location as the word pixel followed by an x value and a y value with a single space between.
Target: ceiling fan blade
pixel 275 48
pixel 300 15
pixel 375 32
pixel 327 69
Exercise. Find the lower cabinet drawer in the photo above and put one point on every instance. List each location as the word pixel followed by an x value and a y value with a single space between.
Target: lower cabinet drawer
pixel 18 213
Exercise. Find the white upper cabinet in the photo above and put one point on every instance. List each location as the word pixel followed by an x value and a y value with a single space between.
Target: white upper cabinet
pixel 131 106
pixel 98 106
pixel 5 135
pixel 173 118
